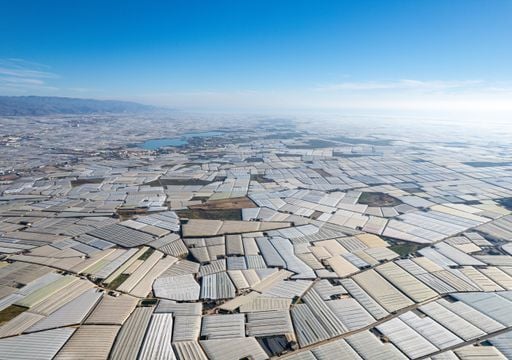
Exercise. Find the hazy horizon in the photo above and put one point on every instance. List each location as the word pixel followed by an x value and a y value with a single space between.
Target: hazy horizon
pixel 395 58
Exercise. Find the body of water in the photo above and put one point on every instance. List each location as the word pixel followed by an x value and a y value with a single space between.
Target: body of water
pixel 155 144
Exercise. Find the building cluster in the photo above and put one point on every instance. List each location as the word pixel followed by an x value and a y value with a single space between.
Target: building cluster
pixel 268 241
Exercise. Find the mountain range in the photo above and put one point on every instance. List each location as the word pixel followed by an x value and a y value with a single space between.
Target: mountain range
pixel 48 105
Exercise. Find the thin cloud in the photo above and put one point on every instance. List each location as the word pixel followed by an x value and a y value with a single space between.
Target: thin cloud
pixel 83 91
pixel 403 84
pixel 24 76
pixel 22 81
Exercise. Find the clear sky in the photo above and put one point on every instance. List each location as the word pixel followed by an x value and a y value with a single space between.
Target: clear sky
pixel 407 55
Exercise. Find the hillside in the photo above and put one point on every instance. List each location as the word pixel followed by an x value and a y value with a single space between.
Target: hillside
pixel 47 105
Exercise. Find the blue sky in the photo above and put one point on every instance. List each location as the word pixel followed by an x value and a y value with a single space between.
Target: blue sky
pixel 445 55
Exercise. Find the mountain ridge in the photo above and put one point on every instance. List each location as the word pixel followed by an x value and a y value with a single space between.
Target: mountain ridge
pixel 52 105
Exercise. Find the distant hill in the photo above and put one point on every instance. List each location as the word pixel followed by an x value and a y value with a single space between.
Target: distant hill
pixel 47 105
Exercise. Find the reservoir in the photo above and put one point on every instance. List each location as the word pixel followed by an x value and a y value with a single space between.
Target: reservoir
pixel 154 144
